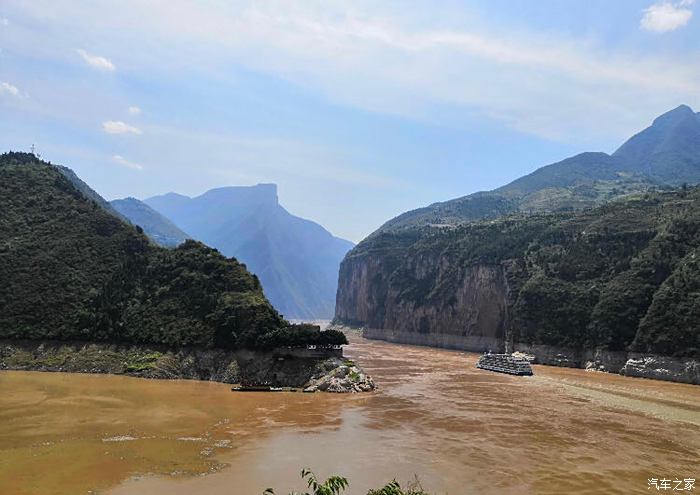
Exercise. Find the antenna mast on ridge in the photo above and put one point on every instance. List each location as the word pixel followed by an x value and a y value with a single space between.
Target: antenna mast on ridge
pixel 34 151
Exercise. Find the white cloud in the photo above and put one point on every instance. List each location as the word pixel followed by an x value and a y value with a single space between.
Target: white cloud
pixel 4 21
pixel 666 16
pixel 7 88
pixel 382 57
pixel 133 110
pixel 95 61
pixel 119 127
pixel 120 160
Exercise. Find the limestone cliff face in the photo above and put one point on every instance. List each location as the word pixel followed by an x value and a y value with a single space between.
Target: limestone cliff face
pixel 362 291
pixel 459 309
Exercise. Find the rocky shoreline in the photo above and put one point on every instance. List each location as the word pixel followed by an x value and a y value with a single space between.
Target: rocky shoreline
pixel 667 368
pixel 331 374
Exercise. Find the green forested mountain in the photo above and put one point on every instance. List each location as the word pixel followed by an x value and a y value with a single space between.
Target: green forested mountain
pixel 668 151
pixel 621 277
pixel 297 260
pixel 161 230
pixel 72 270
pixel 596 251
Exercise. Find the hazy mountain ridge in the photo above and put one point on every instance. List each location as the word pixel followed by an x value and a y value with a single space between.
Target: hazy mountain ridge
pixel 161 230
pixel 297 260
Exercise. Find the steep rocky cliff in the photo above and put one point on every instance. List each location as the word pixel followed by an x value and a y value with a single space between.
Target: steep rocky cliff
pixel 473 317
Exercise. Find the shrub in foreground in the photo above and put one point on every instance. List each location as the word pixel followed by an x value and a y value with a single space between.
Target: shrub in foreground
pixel 335 485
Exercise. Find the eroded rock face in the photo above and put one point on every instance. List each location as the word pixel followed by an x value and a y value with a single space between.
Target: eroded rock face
pixel 466 309
pixel 241 366
pixel 662 368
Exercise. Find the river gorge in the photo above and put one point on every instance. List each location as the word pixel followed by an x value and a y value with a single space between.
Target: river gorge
pixel 459 429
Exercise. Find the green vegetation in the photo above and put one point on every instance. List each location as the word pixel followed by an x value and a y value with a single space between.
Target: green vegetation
pixel 73 270
pixel 335 485
pixel 394 488
pixel 302 334
pixel 142 363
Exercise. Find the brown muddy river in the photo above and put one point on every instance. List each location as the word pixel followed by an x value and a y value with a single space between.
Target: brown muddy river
pixel 460 430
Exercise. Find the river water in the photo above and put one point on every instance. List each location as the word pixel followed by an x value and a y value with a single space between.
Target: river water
pixel 459 429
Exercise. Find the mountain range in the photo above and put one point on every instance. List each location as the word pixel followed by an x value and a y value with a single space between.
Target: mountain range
pixel 594 253
pixel 666 154
pixel 295 259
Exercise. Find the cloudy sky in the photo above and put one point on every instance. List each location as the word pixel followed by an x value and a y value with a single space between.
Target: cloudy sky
pixel 357 110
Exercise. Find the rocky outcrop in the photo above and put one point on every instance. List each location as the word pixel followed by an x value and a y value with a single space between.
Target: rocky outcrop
pixel 240 366
pixel 141 361
pixel 362 289
pixel 566 357
pixel 673 369
pixel 345 377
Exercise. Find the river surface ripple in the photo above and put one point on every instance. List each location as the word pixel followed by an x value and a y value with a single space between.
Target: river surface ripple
pixel 459 429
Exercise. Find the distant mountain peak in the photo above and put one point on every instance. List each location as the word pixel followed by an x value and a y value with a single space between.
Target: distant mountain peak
pixel 175 195
pixel 263 194
pixel 296 260
pixel 668 150
pixel 674 116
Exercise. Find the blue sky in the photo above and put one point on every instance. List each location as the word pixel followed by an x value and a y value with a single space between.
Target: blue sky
pixel 357 110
